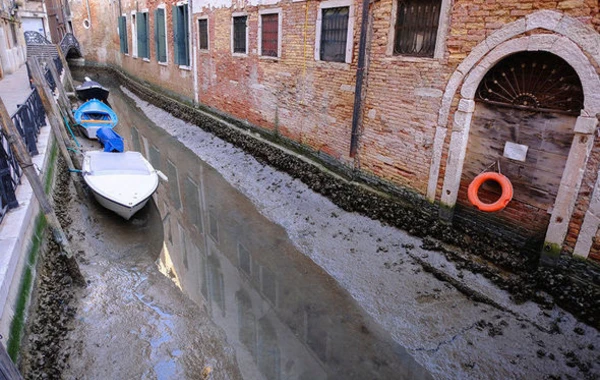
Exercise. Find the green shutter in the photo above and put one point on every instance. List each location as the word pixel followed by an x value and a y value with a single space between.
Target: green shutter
pixel 156 47
pixel 147 39
pixel 162 38
pixel 123 34
pixel 176 33
pixel 186 33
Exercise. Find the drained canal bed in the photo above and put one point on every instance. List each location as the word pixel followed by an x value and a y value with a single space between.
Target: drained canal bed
pixel 238 271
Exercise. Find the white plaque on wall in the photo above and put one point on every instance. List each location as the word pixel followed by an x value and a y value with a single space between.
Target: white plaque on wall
pixel 515 152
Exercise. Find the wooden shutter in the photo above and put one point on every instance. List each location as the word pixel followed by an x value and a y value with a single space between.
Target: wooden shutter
pixel 176 34
pixel 156 45
pixel 123 34
pixel 147 40
pixel 161 51
pixel 186 34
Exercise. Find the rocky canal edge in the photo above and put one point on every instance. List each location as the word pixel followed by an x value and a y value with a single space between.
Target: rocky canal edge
pixel 571 284
pixel 53 306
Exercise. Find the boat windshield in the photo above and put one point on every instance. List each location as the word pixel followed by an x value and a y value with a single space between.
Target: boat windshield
pixel 118 163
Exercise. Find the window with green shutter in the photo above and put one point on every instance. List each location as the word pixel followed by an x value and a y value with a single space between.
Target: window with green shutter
pixel 160 35
pixel 142 35
pixel 181 35
pixel 123 34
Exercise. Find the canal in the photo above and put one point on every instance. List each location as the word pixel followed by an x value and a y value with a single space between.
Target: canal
pixel 200 284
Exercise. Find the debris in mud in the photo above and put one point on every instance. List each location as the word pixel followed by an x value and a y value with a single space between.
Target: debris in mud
pixel 573 285
pixel 41 354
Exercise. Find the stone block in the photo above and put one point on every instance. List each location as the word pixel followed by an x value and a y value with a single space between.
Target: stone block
pixel 586 125
pixel 545 19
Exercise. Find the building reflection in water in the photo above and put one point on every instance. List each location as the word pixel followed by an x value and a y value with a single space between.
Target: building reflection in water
pixel 283 315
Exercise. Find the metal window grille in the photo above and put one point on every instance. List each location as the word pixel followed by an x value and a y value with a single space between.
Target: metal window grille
pixel 270 35
pixel 334 34
pixel 160 35
pixel 239 34
pixel 416 27
pixel 203 34
pixel 538 81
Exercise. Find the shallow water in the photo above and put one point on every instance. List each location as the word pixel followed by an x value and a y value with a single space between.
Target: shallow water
pixel 282 315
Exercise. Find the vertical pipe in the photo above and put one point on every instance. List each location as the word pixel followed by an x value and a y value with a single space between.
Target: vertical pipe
pixel 360 72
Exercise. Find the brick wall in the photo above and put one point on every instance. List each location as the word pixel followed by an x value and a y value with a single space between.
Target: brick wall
pixel 310 101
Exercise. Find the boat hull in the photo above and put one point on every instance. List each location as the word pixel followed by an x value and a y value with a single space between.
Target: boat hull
pixel 120 182
pixel 126 212
pixel 91 90
pixel 93 115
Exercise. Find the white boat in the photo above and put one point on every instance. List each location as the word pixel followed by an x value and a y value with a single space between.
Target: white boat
pixel 121 182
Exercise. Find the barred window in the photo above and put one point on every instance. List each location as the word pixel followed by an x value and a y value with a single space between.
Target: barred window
pixel 270 34
pixel 416 27
pixel 203 34
pixel 334 34
pixel 239 34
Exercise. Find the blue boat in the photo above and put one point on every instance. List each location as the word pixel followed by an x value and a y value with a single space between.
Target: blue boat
pixel 110 140
pixel 93 115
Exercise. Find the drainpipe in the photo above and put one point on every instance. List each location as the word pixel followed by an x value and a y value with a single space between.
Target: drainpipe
pixel 89 14
pixel 193 50
pixel 360 73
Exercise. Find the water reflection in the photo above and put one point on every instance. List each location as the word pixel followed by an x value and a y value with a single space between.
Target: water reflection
pixel 283 315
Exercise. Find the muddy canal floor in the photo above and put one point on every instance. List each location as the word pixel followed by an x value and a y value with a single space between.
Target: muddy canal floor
pixel 131 321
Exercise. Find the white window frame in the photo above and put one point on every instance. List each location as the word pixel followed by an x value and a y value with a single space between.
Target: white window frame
pixel 271 11
pixel 204 51
pixel 440 39
pixel 134 50
pixel 165 63
pixel 234 15
pixel 350 36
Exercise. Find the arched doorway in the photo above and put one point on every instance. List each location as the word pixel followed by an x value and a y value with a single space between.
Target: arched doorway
pixel 526 106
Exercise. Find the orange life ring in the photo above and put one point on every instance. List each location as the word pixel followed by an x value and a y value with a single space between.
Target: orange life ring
pixel 507 191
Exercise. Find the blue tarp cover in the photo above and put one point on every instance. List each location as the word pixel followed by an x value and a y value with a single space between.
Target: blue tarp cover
pixel 110 139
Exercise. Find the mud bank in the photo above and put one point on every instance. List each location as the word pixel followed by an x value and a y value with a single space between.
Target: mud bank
pixel 571 284
pixel 483 335
pixel 43 353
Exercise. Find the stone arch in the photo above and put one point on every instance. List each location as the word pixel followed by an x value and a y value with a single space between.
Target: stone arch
pixel 575 31
pixel 584 127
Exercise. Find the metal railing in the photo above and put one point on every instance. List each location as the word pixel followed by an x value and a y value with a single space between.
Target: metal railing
pixel 29 118
pixel 69 42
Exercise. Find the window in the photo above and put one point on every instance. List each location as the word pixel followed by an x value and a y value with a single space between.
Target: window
pixel 143 28
pixel 269 31
pixel 335 23
pixel 334 33
pixel 134 40
pixel 239 34
pixel 203 34
pixel 416 27
pixel 160 35
pixel 123 34
pixel 181 34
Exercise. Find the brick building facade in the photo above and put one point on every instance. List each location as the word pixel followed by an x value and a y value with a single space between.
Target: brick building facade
pixel 421 121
